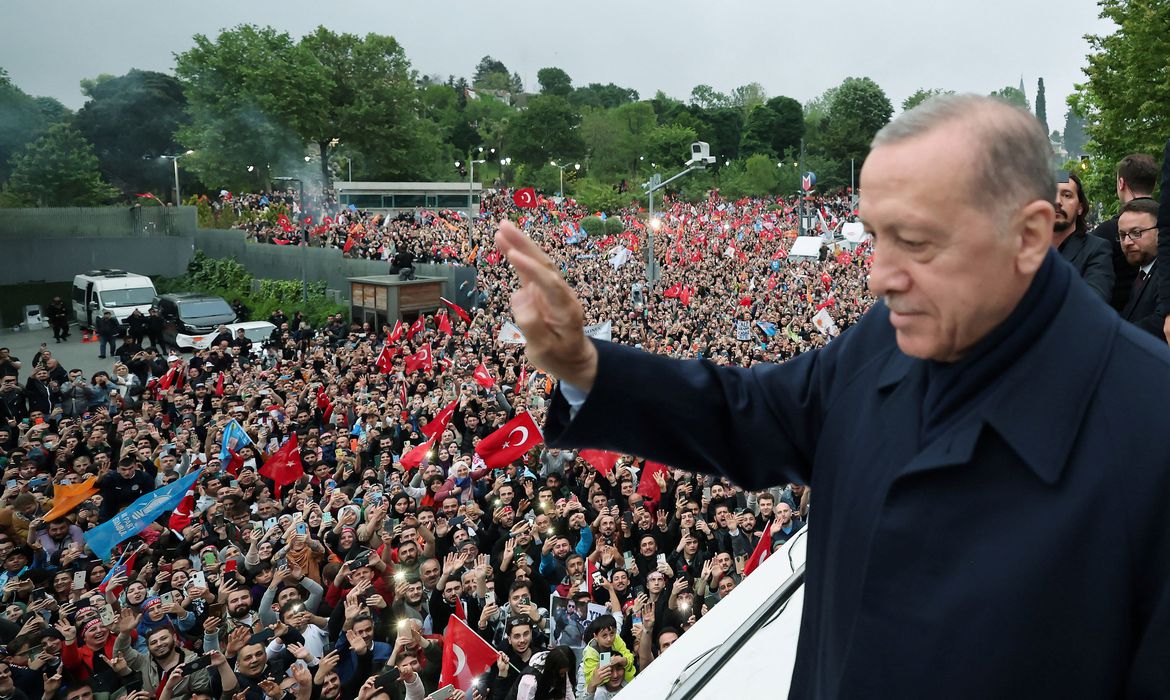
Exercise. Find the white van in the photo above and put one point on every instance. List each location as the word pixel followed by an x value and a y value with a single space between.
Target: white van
pixel 116 291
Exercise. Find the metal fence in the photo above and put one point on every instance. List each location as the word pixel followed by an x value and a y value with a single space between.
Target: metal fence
pixel 97 222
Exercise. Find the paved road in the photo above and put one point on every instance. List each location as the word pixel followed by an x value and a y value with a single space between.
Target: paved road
pixel 72 353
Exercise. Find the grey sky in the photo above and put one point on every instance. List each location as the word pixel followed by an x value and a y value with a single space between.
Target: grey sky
pixel 792 48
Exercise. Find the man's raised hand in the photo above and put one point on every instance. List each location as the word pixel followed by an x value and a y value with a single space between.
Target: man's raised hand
pixel 548 312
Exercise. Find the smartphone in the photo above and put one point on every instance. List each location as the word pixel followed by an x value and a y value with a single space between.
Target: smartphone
pixel 444 693
pixel 209 559
pixel 234 484
pixel 107 614
pixel 11 484
pixel 740 563
pixel 197 579
pixel 216 609
pixel 167 598
pixel 526 600
pixel 298 662
pixel 270 523
pixel 611 503
pixel 661 559
pixel 302 529
pixel 79 581
pixel 389 524
pixel 489 598
pixel 230 566
pixel 597 578
pixel 605 656
pixel 197 664
pixel 327 518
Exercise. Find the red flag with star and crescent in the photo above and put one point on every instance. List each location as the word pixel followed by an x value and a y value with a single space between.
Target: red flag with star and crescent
pixel 420 360
pixel 602 460
pixel 439 423
pixel 445 325
pixel 457 309
pixel 525 197
pixel 510 442
pixel 396 334
pixel 483 377
pixel 465 655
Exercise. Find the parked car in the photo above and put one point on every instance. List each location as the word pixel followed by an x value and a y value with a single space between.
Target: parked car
pixel 188 315
pixel 117 291
pixel 255 331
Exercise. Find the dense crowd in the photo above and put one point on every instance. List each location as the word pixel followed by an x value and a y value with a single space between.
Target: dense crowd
pixel 343 580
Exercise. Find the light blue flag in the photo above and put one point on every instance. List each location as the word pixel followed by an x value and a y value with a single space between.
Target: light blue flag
pixel 234 438
pixel 134 519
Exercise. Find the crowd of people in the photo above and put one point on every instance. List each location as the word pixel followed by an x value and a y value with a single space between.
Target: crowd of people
pixel 577 568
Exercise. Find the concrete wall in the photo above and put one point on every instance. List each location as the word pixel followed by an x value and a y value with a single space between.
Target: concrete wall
pixel 39 259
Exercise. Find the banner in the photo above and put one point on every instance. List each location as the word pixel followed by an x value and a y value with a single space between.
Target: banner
pixel 510 334
pixel 103 538
pixel 600 331
pixel 825 324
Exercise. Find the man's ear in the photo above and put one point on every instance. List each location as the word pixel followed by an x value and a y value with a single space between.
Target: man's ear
pixel 1034 228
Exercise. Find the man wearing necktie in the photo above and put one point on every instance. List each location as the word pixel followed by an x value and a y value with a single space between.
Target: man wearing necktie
pixel 1137 228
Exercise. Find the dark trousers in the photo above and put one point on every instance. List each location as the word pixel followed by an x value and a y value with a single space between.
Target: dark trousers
pixel 60 331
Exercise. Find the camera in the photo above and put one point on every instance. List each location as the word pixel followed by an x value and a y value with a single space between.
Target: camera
pixel 701 155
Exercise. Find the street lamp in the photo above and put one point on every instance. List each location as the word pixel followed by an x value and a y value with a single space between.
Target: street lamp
pixel 175 161
pixel 471 190
pixel 574 166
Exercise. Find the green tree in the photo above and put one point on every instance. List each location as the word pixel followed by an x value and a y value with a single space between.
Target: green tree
pixel 252 93
pixel 546 130
pixel 22 120
pixel 1013 96
pixel 922 95
pixel 598 95
pixel 59 169
pixel 762 123
pixel 1122 104
pixel 615 138
pixel 707 97
pixel 722 128
pixel 859 108
pixel 760 177
pixel 131 120
pixel 487 68
pixel 1041 104
pixel 1076 137
pixel 789 124
pixel 554 81
pixel 669 145
pixel 748 97
pixel 369 102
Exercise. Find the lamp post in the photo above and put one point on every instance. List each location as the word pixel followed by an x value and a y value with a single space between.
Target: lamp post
pixel 471 190
pixel 574 166
pixel 175 161
pixel 656 183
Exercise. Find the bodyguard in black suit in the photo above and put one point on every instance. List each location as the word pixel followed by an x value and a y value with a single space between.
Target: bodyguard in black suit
pixel 1090 256
pixel 1137 174
pixel 1139 237
pixel 945 436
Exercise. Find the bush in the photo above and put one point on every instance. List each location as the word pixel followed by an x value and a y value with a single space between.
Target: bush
pixel 599 196
pixel 227 278
pixel 593 225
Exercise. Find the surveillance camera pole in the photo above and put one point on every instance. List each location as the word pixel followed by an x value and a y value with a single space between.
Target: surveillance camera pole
pixel 653 274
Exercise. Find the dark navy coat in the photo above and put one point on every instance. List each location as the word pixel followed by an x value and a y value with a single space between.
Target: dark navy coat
pixel 1024 553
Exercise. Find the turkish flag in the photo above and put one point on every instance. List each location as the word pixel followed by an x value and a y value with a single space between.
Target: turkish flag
pixel 284 466
pixel 602 460
pixel 396 334
pixel 510 442
pixel 483 377
pixel 284 223
pixel 416 455
pixel 184 513
pixel 524 197
pixel 647 486
pixel 761 552
pixel 457 309
pixel 385 360
pixel 465 655
pixel 439 423
pixel 420 360
pixel 219 385
pixel 522 381
pixel 673 291
pixel 418 326
pixel 445 325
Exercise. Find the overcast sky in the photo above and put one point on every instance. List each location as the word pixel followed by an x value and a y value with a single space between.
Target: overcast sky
pixel 791 48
